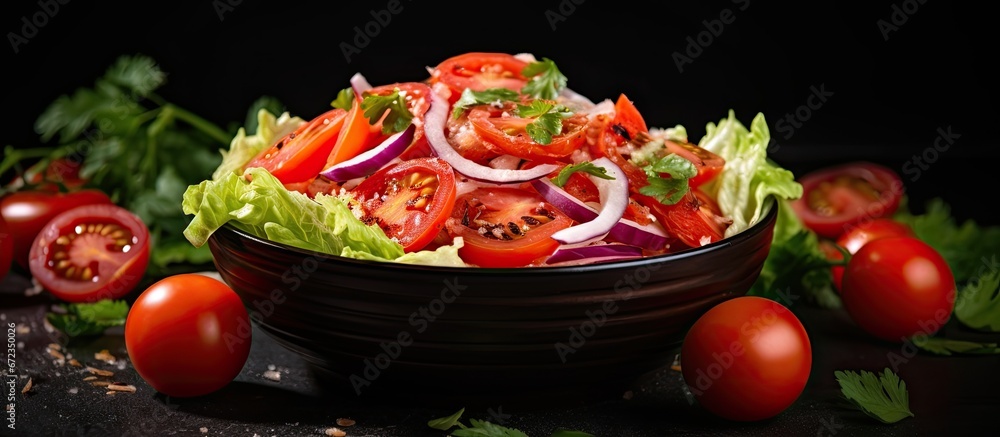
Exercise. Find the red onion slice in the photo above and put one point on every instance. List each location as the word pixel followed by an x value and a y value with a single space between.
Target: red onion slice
pixel 614 200
pixel 593 254
pixel 359 84
pixel 373 159
pixel 625 231
pixel 434 123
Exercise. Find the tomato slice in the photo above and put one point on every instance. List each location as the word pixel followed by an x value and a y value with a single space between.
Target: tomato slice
pixel 603 141
pixel 498 126
pixel 353 138
pixel 695 220
pixel 410 200
pixel 709 164
pixel 505 227
pixel 835 199
pixel 90 253
pixel 27 212
pixel 300 155
pixel 417 97
pixel 479 71
pixel 628 122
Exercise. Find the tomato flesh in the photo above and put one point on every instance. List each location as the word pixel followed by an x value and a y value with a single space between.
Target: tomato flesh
pixel 479 71
pixel 410 201
pixel 837 198
pixel 188 335
pixel 746 359
pixel 508 132
pixel 91 253
pixel 300 155
pixel 505 227
pixel 27 213
pixel 898 287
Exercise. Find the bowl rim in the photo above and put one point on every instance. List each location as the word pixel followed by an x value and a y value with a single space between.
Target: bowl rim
pixel 767 219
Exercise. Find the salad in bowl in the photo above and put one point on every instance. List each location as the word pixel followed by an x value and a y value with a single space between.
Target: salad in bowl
pixel 491 161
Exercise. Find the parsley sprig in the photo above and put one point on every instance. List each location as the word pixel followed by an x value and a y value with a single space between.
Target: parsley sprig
pixel 487 96
pixel 978 304
pixel 393 106
pixel 585 167
pixel 548 119
pixel 668 190
pixel 482 428
pixel 88 319
pixel 883 397
pixel 945 346
pixel 344 100
pixel 546 80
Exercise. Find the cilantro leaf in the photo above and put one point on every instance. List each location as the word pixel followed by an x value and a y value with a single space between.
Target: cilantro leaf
pixel 344 100
pixel 586 167
pixel 570 433
pixel 882 397
pixel 672 189
pixel 446 423
pixel 482 428
pixel 89 319
pixel 546 80
pixel 944 346
pixel 967 247
pixel 548 119
pixel 978 303
pixel 473 98
pixel 398 117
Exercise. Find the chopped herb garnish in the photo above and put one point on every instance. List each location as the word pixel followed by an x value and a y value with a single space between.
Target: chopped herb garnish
pixel 88 319
pixel 548 119
pixel 344 100
pixel 482 428
pixel 586 167
pixel 668 190
pixel 398 117
pixel 883 397
pixel 546 80
pixel 473 98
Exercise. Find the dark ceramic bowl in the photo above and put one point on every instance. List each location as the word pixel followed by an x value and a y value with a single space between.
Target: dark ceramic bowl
pixel 371 327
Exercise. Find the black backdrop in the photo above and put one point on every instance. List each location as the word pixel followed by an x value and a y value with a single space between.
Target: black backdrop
pixel 898 71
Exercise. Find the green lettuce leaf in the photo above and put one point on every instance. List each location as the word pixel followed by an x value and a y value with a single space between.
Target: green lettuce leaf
pixel 444 256
pixel 749 177
pixel 244 147
pixel 264 208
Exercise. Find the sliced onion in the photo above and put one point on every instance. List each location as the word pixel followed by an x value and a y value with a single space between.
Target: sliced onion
pixel 614 200
pixel 434 122
pixel 625 231
pixel 575 100
pixel 359 84
pixel 373 159
pixel 593 254
pixel 505 162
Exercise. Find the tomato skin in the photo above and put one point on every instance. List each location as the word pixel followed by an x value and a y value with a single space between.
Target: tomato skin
pixel 829 248
pixel 694 220
pixel 300 155
pixel 27 212
pixel 6 248
pixel 746 359
pixel 898 287
pixel 508 133
pixel 410 201
pixel 479 71
pixel 858 236
pixel 502 206
pixel 188 335
pixel 837 198
pixel 113 269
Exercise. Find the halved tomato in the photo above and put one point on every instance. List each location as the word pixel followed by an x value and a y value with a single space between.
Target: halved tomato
pixel 695 220
pixel 505 227
pixel 301 155
pixel 90 253
pixel 417 97
pixel 479 71
pixel 499 126
pixel 835 199
pixel 410 200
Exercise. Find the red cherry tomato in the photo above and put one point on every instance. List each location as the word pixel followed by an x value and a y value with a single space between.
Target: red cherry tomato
pixel 858 236
pixel 898 287
pixel 835 199
pixel 91 252
pixel 746 359
pixel 188 335
pixel 27 212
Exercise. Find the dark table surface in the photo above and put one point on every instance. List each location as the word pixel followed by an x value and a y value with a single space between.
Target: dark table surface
pixel 948 395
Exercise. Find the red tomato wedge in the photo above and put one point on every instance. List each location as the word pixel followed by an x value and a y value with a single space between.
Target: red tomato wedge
pixel 479 71
pixel 410 201
pixel 354 137
pixel 505 227
pixel 300 155
pixel 501 127
pixel 835 199
pixel 90 253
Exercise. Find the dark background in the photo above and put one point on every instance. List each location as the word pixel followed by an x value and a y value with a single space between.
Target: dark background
pixel 889 96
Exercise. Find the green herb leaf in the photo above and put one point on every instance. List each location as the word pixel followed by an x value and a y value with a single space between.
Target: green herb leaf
pixel 481 428
pixel 89 319
pixel 978 303
pixel 944 346
pixel 570 433
pixel 398 117
pixel 586 167
pixel 668 190
pixel 268 103
pixel 446 423
pixel 548 119
pixel 473 98
pixel 344 100
pixel 882 397
pixel 967 247
pixel 546 80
